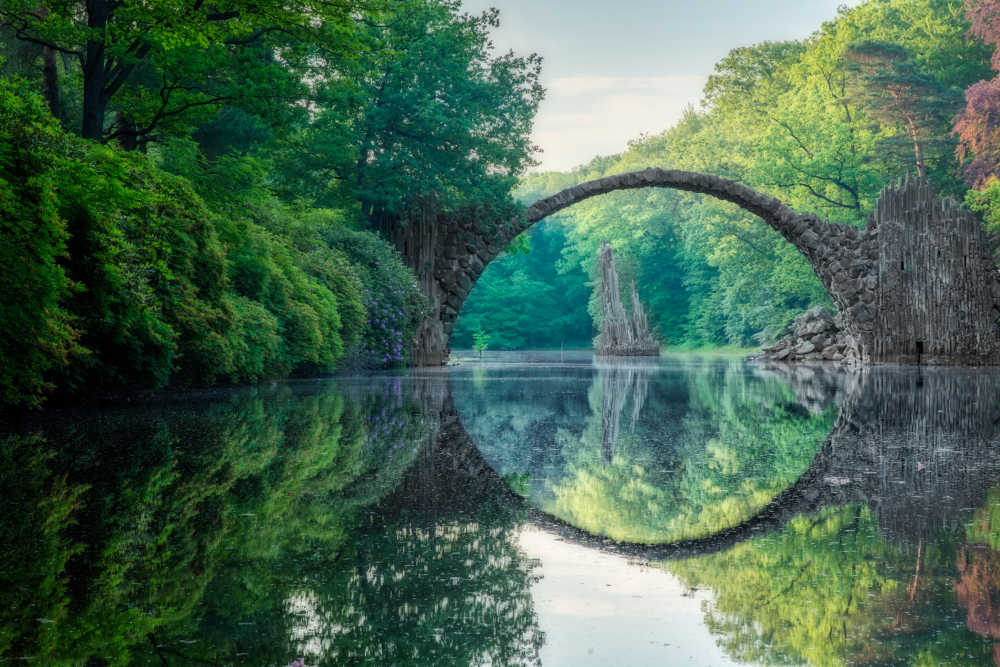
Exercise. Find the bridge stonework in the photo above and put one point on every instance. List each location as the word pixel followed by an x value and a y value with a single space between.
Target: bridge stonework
pixel 916 285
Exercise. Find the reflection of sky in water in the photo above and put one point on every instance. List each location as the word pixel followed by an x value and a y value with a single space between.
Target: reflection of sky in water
pixel 600 609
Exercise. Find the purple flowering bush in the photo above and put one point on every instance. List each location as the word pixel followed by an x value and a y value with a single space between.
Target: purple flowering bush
pixel 393 302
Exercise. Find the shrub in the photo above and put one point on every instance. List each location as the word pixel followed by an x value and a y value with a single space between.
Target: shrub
pixel 37 334
pixel 393 301
pixel 117 273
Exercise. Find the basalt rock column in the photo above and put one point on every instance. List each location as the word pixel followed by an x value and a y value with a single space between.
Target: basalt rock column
pixel 621 335
pixel 917 286
pixel 938 292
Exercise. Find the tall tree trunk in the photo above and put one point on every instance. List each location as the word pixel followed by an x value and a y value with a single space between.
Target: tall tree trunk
pixel 918 151
pixel 95 101
pixel 50 75
pixel 50 71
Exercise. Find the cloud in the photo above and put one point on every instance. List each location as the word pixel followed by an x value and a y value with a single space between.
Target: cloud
pixel 584 116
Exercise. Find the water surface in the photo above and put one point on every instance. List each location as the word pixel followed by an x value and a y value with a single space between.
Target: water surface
pixel 523 509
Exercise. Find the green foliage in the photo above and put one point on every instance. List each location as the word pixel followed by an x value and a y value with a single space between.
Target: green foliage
pixel 225 242
pixel 480 341
pixel 140 71
pixel 393 301
pixel 529 297
pixel 426 117
pixel 986 202
pixel 37 333
pixel 123 274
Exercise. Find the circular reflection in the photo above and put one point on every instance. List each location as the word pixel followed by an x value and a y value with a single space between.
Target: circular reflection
pixel 647 450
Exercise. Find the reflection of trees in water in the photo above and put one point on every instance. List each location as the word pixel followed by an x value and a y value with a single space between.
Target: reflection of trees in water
pixel 439 577
pixel 176 533
pixel 830 589
pixel 856 561
pixel 864 568
pixel 259 528
pixel 710 445
pixel 978 564
pixel 516 415
pixel 433 591
pixel 978 591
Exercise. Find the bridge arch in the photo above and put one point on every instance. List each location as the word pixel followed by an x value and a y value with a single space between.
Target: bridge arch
pixel 840 255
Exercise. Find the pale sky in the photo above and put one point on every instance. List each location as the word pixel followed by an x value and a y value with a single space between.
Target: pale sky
pixel 599 609
pixel 616 69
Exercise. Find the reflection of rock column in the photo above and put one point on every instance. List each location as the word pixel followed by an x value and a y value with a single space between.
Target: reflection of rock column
pixel 618 382
pixel 917 445
pixel 639 393
pixel 924 446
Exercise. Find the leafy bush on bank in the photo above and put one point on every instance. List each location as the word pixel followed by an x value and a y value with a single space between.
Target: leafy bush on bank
pixel 119 274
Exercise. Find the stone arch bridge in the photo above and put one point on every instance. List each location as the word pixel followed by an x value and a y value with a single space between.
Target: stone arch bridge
pixel 916 285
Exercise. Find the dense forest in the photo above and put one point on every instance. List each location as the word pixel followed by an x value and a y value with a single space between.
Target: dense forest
pixel 197 193
pixel 887 88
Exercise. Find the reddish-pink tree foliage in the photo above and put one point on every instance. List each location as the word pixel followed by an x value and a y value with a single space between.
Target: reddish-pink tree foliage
pixel 978 130
pixel 984 16
pixel 978 125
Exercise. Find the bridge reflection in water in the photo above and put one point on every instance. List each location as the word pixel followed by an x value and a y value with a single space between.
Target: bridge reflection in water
pixel 917 446
pixel 771 515
pixel 882 545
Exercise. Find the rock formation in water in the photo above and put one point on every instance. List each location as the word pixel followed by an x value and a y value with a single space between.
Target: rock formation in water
pixel 621 335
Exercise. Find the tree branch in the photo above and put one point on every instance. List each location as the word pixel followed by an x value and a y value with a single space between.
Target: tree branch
pixel 19 33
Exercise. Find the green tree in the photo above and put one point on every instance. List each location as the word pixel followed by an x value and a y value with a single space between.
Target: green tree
pixel 816 123
pixel 529 300
pixel 427 120
pixel 37 333
pixel 481 340
pixel 155 62
pixel 891 88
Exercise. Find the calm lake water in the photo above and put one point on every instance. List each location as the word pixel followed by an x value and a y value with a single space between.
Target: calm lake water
pixel 523 509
